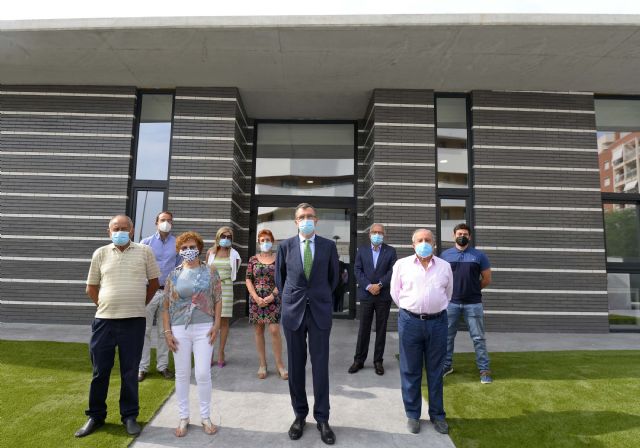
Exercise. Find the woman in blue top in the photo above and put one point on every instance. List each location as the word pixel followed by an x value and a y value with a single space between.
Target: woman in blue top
pixel 191 318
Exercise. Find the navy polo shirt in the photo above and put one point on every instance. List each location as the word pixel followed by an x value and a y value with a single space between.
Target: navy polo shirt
pixel 466 266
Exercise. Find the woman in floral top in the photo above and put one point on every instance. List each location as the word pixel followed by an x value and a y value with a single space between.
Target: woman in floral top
pixel 264 305
pixel 191 318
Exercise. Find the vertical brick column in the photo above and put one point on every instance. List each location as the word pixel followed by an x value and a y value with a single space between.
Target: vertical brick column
pixel 397 165
pixel 538 211
pixel 211 144
pixel 65 153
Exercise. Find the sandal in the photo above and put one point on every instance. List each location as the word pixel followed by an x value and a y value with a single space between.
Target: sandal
pixel 262 372
pixel 208 426
pixel 283 374
pixel 181 430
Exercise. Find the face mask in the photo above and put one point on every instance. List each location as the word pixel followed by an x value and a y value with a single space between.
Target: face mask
pixel 164 226
pixel 424 250
pixel 224 242
pixel 376 239
pixel 120 238
pixel 462 240
pixel 266 246
pixel 189 254
pixel 306 226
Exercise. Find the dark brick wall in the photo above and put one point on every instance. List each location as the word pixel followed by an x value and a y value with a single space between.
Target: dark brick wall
pixel 537 152
pixel 65 155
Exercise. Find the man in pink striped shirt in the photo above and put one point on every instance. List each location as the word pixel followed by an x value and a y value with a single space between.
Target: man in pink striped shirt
pixel 421 286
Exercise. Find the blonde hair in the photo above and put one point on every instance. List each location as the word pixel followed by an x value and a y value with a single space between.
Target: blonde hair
pixel 221 230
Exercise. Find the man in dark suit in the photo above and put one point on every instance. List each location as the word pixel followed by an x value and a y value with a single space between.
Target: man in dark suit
pixel 306 275
pixel 373 269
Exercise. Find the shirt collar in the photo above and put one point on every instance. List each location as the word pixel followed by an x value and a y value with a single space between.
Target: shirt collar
pixel 416 260
pixel 113 247
pixel 373 248
pixel 312 239
pixel 157 236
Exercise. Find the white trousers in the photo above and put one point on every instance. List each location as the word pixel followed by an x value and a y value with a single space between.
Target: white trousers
pixel 193 340
pixel 153 309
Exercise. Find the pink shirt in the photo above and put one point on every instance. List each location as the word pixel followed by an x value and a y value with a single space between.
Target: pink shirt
pixel 420 290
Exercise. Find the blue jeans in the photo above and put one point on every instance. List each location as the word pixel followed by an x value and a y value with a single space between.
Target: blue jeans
pixel 473 314
pixel 422 342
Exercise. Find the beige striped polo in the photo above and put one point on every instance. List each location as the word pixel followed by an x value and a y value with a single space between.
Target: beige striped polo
pixel 122 277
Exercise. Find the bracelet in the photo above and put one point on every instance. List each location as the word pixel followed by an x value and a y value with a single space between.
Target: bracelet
pixel 167 331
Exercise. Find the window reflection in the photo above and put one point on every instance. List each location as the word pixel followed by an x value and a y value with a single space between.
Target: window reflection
pixel 154 137
pixel 451 140
pixel 621 227
pixel 624 299
pixel 452 213
pixel 148 205
pixel 305 159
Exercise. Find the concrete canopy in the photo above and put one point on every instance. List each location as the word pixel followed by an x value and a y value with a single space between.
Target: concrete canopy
pixel 324 67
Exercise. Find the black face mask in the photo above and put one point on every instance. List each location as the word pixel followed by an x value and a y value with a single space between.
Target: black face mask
pixel 462 240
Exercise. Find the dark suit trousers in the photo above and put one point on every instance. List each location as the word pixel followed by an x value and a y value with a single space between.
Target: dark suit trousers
pixel 106 335
pixel 297 357
pixel 367 309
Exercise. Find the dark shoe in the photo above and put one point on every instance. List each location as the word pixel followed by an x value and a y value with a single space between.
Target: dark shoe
pixel 379 368
pixel 447 371
pixel 441 426
pixel 355 367
pixel 141 376
pixel 295 432
pixel 413 425
pixel 167 374
pixel 90 426
pixel 326 433
pixel 133 428
pixel 485 377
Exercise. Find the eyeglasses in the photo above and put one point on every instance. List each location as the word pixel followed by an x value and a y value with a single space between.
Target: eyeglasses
pixel 188 247
pixel 226 236
pixel 301 217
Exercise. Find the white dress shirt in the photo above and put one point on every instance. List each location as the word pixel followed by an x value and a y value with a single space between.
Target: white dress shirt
pixel 420 290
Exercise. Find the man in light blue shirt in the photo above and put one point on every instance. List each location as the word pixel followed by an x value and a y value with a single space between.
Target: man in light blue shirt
pixel 163 245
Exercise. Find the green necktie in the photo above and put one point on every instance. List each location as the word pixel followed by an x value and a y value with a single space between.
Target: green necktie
pixel 308 260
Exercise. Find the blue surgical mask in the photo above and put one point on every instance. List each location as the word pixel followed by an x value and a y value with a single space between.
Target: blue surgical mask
pixel 225 242
pixel 120 238
pixel 306 227
pixel 424 250
pixel 266 246
pixel 376 239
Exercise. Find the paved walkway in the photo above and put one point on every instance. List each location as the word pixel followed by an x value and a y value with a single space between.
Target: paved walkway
pixel 366 409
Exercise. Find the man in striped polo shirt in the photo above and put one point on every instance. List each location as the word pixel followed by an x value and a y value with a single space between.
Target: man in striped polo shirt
pixel 471 273
pixel 123 277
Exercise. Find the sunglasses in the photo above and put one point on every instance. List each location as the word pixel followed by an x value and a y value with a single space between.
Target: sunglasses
pixel 225 236
pixel 188 247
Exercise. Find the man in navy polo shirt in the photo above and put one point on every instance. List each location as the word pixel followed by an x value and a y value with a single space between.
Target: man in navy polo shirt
pixel 471 273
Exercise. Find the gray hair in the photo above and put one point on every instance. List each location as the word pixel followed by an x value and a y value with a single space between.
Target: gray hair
pixel 304 205
pixel 413 237
pixel 376 224
pixel 119 216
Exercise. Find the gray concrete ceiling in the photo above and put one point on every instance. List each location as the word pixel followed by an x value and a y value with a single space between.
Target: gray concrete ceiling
pixel 326 67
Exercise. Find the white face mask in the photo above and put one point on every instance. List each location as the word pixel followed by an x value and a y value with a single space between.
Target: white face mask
pixel 164 226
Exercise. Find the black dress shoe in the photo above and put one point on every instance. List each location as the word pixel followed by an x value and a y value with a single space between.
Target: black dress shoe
pixel 379 368
pixel 90 426
pixel 141 376
pixel 167 374
pixel 295 432
pixel 326 433
pixel 133 428
pixel 355 367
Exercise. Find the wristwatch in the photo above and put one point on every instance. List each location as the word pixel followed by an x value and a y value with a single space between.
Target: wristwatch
pixel 380 284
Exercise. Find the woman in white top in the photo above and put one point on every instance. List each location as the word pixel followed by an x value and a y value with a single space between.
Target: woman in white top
pixel 227 261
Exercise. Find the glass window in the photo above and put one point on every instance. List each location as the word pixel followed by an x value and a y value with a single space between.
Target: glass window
pixel 624 300
pixel 154 137
pixel 451 141
pixel 622 232
pixel 148 205
pixel 452 212
pixel 333 223
pixel 305 159
pixel 618 125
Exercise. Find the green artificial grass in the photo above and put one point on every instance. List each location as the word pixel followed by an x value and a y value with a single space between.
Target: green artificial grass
pixel 45 391
pixel 546 399
pixel 617 319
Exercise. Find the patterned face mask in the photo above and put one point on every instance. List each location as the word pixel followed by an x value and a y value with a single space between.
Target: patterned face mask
pixel 189 254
